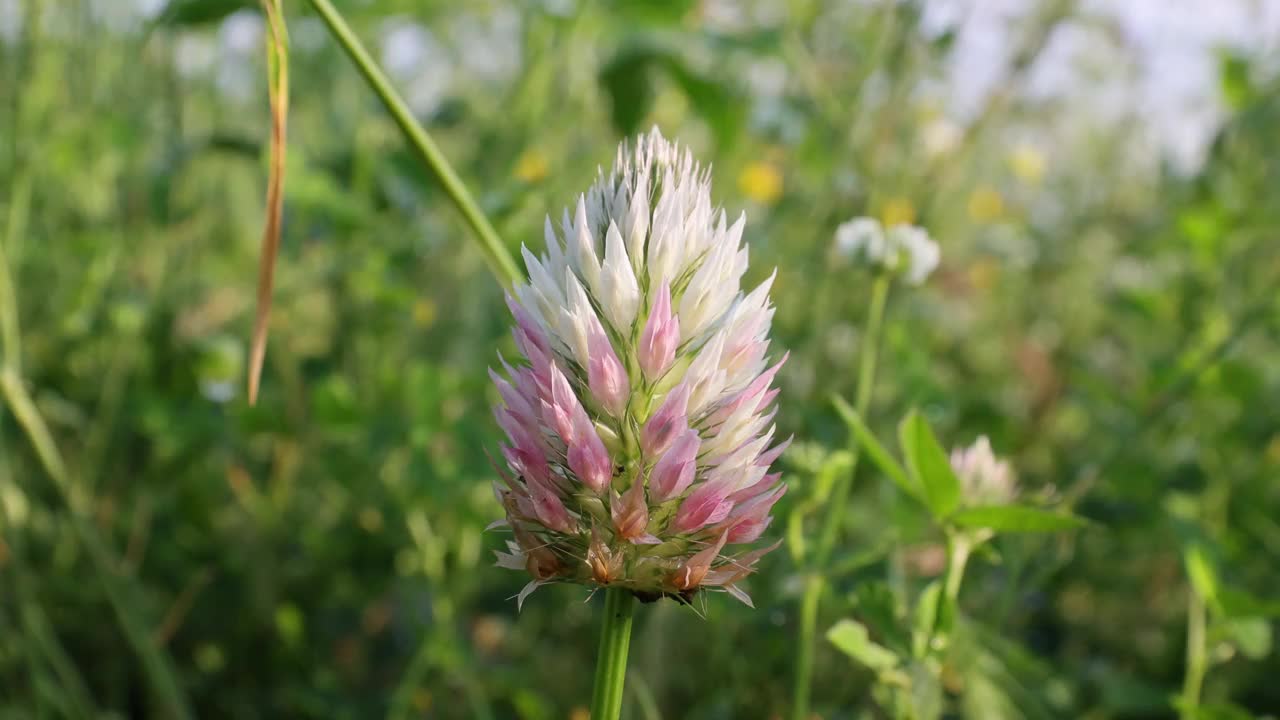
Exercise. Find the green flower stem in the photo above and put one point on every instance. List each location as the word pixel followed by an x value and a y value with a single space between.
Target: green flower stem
pixel 1197 656
pixel 815 581
pixel 495 253
pixel 958 549
pixel 611 661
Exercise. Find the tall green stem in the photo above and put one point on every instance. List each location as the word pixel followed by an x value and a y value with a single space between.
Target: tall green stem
pixel 495 253
pixel 814 582
pixel 959 548
pixel 1197 659
pixel 611 661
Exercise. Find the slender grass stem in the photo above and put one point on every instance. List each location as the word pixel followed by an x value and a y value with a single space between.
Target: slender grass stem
pixel 495 252
pixel 815 582
pixel 611 661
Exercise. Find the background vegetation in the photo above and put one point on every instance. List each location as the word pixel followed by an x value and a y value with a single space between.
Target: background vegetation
pixel 1111 322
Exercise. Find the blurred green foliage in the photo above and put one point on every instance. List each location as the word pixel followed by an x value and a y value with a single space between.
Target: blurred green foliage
pixel 1111 324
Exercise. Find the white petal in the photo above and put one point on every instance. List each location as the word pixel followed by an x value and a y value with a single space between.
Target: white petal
pixel 740 595
pixel 619 291
pixel 526 592
pixel 583 251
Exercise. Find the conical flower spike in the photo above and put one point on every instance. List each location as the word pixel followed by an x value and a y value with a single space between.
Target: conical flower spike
pixel 639 424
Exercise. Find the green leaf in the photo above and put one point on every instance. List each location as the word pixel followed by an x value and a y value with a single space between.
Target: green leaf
pixel 627 81
pixel 836 464
pixel 851 638
pixel 200 12
pixel 1237 603
pixel 877 452
pixel 713 100
pixel 926 618
pixel 881 610
pixel 1237 89
pixel 1213 711
pixel 926 692
pixel 1016 519
pixel 1251 635
pixel 929 465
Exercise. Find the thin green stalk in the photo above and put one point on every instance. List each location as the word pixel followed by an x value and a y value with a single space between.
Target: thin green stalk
pixel 495 253
pixel 611 661
pixel 957 558
pixel 815 581
pixel 959 549
pixel 1197 656
pixel 15 227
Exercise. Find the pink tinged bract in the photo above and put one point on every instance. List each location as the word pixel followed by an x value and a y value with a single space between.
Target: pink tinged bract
pixel 564 413
pixel 691 573
pixel 548 507
pixel 630 513
pixel 766 458
pixel 674 471
pixel 707 505
pixel 759 486
pixel 756 395
pixel 660 338
pixel 606 377
pixel 528 326
pixel 750 518
pixel 588 458
pixel 667 423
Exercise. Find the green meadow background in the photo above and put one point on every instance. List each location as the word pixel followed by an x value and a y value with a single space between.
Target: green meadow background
pixel 1106 311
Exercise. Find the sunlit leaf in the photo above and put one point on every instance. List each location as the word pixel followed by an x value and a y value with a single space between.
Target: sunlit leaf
pixel 929 465
pixel 1252 635
pixel 1201 573
pixel 874 450
pixel 1016 519
pixel 926 618
pixel 851 638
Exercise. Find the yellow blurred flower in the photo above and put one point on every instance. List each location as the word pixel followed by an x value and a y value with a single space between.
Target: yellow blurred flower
pixel 897 211
pixel 531 166
pixel 761 181
pixel 425 312
pixel 1028 163
pixel 986 204
pixel 580 713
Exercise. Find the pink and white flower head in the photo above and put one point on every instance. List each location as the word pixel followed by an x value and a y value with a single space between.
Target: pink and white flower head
pixel 640 426
pixel 984 478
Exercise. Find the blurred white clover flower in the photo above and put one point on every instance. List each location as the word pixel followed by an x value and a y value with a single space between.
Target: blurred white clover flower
pixel 904 249
pixel 984 478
